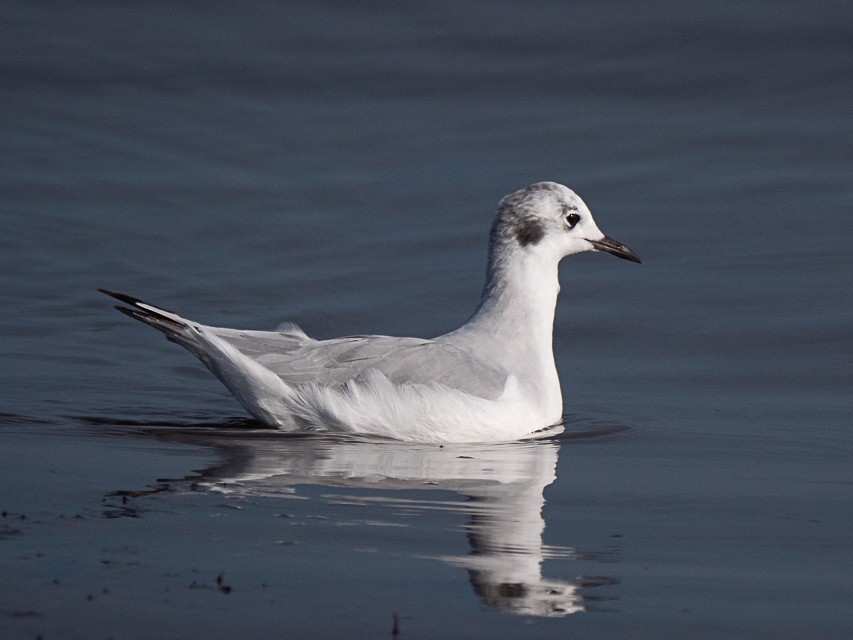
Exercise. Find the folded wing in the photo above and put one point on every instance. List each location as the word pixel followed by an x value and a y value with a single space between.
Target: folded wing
pixel 297 359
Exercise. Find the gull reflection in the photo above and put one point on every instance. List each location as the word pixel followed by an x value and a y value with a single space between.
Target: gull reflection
pixel 499 488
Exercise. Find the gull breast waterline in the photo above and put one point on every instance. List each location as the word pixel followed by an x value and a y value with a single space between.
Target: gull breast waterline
pixel 492 379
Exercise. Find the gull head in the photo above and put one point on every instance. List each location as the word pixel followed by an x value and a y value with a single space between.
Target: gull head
pixel 551 220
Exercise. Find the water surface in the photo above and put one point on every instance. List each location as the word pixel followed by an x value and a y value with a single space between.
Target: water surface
pixel 338 168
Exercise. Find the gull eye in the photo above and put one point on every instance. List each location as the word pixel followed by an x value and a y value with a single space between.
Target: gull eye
pixel 572 219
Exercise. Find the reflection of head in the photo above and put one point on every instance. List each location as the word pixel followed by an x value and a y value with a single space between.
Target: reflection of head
pixel 547 598
pixel 505 563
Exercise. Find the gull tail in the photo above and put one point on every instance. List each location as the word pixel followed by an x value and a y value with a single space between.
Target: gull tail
pixel 257 388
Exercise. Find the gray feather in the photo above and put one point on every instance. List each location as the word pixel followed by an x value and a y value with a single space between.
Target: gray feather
pixel 297 359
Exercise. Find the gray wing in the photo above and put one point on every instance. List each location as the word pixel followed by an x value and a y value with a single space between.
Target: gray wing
pixel 297 359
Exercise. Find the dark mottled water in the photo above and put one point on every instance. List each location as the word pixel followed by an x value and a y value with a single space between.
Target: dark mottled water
pixel 337 166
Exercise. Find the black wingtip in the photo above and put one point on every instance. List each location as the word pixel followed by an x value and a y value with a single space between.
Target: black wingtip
pixel 133 302
pixel 122 297
pixel 147 315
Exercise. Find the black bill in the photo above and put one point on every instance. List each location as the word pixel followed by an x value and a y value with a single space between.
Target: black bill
pixel 618 249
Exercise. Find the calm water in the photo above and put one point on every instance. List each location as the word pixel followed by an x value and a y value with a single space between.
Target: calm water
pixel 338 167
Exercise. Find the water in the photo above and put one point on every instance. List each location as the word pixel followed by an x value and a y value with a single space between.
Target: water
pixel 338 167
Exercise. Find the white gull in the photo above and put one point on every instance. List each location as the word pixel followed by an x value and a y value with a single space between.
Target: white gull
pixel 493 379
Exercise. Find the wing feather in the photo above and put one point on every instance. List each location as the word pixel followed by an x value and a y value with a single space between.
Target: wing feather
pixel 298 359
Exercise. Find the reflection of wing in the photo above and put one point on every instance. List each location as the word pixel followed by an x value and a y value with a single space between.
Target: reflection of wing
pixel 509 476
pixel 297 359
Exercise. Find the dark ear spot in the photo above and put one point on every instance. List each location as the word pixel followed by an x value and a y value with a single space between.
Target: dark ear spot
pixel 529 232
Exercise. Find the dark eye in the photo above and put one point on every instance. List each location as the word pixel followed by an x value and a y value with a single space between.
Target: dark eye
pixel 572 219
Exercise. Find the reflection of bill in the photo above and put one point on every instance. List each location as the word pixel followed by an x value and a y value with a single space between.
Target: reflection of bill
pixel 502 485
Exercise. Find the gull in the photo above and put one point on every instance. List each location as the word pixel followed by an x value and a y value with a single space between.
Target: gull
pixel 493 379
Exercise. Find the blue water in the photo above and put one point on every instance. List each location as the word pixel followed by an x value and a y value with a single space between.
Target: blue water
pixel 338 166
